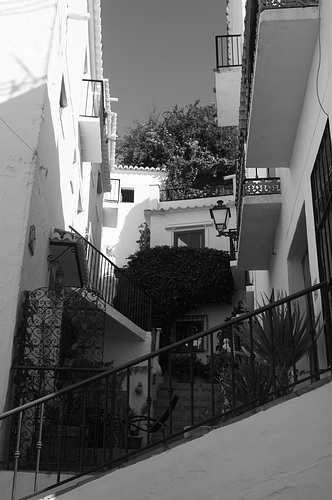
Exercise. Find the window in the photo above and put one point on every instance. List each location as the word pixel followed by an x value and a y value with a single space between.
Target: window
pixel 63 103
pixel 99 184
pixel 191 238
pixel 187 326
pixel 127 195
pixel 321 187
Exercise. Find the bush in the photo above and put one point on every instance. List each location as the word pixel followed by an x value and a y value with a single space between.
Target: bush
pixel 179 279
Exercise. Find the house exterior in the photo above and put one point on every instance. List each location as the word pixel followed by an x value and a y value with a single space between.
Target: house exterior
pixel 283 179
pixel 180 219
pixel 61 304
pixel 174 218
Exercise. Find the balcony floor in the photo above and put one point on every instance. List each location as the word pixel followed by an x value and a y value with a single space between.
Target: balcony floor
pixel 260 215
pixel 286 43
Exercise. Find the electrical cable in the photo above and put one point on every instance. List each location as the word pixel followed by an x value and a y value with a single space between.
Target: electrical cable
pixel 319 63
pixel 35 154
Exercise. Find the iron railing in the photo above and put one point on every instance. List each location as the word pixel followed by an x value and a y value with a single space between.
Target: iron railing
pixel 113 196
pixel 267 185
pixel 115 287
pixel 228 51
pixel 189 193
pixel 286 4
pixel 92 99
pixel 254 358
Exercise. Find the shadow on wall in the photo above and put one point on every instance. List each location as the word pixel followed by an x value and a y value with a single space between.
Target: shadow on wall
pixel 130 217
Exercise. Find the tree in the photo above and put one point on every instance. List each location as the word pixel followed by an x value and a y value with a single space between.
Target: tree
pixel 186 141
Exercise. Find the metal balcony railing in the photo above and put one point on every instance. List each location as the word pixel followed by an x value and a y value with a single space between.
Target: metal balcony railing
pixel 115 287
pixel 286 4
pixel 260 356
pixel 189 193
pixel 228 51
pixel 114 195
pixel 257 186
pixel 92 99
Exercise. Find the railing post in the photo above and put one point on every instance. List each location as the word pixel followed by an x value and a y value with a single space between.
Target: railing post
pixel 314 368
pixel 148 402
pixel 17 454
pixel 170 391
pixel 328 323
pixel 272 350
pixel 212 370
pixel 191 382
pixel 292 341
pixel 39 446
pixel 252 358
pixel 232 363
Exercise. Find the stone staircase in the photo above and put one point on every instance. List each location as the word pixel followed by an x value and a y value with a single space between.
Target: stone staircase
pixel 181 412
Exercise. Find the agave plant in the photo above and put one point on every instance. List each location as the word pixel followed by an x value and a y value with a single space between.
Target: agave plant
pixel 281 337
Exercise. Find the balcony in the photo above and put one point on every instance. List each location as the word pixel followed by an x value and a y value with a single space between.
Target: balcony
pixel 228 78
pixel 279 52
pixel 259 210
pixel 91 120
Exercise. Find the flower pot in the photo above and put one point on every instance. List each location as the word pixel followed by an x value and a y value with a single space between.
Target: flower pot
pixel 134 442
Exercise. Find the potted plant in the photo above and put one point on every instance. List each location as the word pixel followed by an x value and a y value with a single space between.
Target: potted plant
pixel 134 438
pixel 286 328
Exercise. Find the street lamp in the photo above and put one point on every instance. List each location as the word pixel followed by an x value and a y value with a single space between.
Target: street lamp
pixel 220 214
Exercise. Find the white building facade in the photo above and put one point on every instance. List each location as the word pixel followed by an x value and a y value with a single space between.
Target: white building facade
pixel 57 132
pixel 284 181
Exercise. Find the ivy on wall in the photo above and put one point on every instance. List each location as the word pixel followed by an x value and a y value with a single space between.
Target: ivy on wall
pixel 179 279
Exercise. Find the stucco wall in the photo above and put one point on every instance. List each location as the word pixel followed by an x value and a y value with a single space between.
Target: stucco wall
pixel 40 169
pixel 285 264
pixel 120 241
pixel 26 40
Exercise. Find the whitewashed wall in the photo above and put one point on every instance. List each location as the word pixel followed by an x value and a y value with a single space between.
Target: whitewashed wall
pixel 284 271
pixel 120 236
pixel 40 150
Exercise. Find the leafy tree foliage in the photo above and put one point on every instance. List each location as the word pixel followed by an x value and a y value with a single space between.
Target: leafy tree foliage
pixel 178 279
pixel 186 141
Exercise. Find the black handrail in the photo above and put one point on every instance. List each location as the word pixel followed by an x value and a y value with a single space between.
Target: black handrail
pixel 65 429
pixel 92 104
pixel 116 287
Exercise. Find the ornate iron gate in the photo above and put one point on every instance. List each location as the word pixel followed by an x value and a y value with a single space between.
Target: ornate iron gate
pixel 60 342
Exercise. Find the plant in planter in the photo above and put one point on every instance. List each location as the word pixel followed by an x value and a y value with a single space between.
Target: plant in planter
pixel 284 328
pixel 134 436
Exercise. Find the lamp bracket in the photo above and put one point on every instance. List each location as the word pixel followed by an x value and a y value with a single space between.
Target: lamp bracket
pixel 53 261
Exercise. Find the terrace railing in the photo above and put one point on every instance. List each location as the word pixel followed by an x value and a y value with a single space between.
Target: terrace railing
pixel 228 51
pixel 258 357
pixel 113 196
pixel 115 287
pixel 267 185
pixel 92 100
pixel 192 193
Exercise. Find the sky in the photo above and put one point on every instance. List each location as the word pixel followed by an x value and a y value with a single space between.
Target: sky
pixel 159 53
